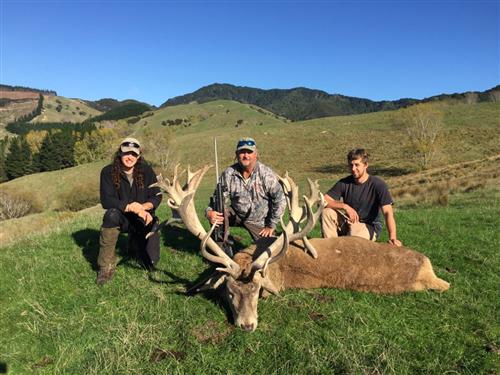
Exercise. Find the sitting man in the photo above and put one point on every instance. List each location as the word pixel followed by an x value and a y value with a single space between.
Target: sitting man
pixel 362 198
pixel 256 197
pixel 130 207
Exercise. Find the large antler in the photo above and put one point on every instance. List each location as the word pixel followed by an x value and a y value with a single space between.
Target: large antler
pixel 297 216
pixel 181 199
pixel 297 213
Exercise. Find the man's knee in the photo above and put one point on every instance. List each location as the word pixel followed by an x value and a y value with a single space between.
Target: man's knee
pixel 360 230
pixel 112 218
pixel 330 225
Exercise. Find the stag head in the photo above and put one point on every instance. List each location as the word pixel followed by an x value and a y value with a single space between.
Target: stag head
pixel 246 277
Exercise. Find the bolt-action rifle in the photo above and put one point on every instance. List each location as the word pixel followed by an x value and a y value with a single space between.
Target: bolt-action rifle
pixel 218 203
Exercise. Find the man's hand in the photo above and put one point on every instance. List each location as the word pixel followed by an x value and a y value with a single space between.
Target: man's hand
pixel 214 216
pixel 267 232
pixel 134 207
pixel 146 216
pixel 395 242
pixel 351 213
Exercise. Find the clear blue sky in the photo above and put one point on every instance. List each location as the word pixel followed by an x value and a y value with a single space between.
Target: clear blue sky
pixel 155 50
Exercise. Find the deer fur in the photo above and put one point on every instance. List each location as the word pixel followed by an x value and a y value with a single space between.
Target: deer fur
pixel 352 263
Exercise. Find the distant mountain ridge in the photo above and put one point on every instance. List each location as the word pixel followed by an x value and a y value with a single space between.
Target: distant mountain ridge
pixel 302 103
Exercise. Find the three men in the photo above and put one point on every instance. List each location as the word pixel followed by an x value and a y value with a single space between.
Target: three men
pixel 257 200
pixel 130 207
pixel 362 198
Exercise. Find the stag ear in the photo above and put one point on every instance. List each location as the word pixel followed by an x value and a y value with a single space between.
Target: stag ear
pixel 213 282
pixel 264 282
pixel 269 286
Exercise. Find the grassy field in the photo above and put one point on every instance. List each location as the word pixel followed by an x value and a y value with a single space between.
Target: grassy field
pixel 55 320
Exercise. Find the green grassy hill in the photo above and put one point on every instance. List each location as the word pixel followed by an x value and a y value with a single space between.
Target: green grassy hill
pixel 61 109
pixel 314 149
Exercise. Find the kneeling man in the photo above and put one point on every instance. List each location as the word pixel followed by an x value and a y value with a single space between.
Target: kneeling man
pixel 363 196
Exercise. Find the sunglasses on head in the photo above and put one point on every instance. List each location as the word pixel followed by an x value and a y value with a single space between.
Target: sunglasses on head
pixel 130 144
pixel 245 143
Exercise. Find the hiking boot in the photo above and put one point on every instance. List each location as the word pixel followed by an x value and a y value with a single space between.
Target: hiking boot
pixel 104 276
pixel 107 242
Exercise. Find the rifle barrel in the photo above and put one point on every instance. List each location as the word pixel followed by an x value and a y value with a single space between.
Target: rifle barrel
pixel 216 162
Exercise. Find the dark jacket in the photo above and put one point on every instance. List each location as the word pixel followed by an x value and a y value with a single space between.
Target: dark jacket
pixel 112 198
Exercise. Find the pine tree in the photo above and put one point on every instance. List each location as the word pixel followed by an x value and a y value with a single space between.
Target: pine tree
pixel 3 155
pixel 14 164
pixel 26 157
pixel 57 151
pixel 46 158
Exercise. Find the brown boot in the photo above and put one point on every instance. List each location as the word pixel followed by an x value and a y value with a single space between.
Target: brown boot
pixel 104 276
pixel 107 255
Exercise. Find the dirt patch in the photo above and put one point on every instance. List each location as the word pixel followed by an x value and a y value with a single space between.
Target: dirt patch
pixel 160 354
pixel 316 316
pixel 211 332
pixel 45 361
pixel 323 299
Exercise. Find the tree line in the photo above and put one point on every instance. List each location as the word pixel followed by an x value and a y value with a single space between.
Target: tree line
pixel 41 151
pixel 49 146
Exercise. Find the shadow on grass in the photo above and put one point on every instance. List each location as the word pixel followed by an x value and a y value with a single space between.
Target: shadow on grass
pixel 88 241
pixel 376 170
pixel 179 238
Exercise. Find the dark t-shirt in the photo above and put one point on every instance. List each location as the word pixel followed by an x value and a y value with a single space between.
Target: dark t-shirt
pixel 365 198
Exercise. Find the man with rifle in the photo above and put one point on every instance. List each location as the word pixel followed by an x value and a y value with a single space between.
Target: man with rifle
pixel 248 194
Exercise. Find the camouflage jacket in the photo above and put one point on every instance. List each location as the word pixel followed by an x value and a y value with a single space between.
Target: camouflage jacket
pixel 259 201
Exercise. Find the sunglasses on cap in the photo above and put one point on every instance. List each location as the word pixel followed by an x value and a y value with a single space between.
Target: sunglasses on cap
pixel 130 144
pixel 245 143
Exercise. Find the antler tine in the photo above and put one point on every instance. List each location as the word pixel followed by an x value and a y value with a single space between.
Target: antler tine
pixel 231 267
pixel 292 194
pixel 196 178
pixel 310 248
pixel 189 174
pixel 278 256
pixel 314 193
pixel 311 222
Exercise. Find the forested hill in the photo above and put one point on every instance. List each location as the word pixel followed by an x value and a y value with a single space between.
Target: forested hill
pixel 8 88
pixel 303 103
pixel 107 104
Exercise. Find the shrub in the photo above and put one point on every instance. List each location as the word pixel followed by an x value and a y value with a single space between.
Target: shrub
pixel 133 120
pixel 80 197
pixel 13 205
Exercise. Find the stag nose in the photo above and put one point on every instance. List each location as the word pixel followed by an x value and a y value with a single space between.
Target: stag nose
pixel 248 327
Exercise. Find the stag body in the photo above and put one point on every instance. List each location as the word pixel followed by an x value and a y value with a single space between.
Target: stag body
pixel 351 263
pixel 270 266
